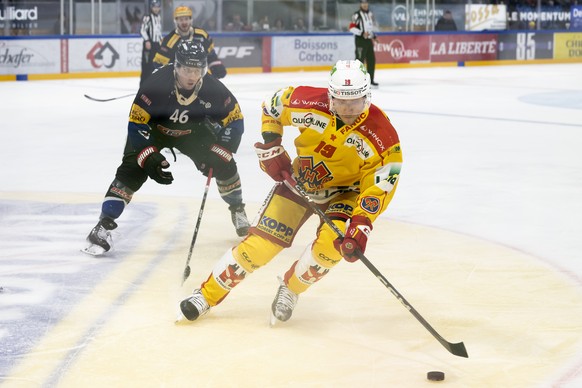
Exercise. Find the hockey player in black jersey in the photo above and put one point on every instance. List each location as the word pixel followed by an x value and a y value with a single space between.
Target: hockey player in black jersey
pixel 185 31
pixel 179 106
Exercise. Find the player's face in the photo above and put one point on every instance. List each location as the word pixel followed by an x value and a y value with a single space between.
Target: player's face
pixel 183 23
pixel 188 77
pixel 156 9
pixel 349 110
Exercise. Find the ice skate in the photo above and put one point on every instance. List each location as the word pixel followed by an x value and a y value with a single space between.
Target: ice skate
pixel 283 304
pixel 239 219
pixel 99 238
pixel 193 307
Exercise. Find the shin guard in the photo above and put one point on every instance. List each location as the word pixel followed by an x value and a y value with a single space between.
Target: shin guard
pixel 226 274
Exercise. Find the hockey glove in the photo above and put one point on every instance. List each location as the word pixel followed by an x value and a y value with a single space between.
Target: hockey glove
pixel 217 156
pixel 154 164
pixel 217 69
pixel 355 239
pixel 273 159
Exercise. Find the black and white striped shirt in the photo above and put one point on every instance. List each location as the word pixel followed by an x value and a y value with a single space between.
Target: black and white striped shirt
pixel 151 28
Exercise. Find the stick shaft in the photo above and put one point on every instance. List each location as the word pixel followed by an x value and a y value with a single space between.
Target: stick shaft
pixel 108 99
pixel 187 268
pixel 457 349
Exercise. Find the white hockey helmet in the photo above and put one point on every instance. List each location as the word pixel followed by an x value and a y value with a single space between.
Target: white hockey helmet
pixel 349 80
pixel 349 90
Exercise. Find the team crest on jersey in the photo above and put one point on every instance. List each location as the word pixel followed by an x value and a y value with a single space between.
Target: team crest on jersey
pixel 309 120
pixel 273 106
pixel 370 204
pixel 313 176
pixel 362 148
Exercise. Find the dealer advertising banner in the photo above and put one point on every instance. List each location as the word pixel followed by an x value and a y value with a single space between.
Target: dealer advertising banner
pixel 568 45
pixel 463 47
pixel 30 56
pixel 106 54
pixel 308 51
pixel 402 48
pixel 525 46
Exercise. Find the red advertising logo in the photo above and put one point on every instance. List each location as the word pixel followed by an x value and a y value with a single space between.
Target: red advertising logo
pixel 102 55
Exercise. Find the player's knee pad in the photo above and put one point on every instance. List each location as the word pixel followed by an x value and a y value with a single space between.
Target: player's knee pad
pixel 255 251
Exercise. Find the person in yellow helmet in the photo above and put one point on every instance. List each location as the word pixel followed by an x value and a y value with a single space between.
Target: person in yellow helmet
pixel 184 31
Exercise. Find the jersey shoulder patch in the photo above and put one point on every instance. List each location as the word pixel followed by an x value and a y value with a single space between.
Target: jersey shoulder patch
pixel 378 130
pixel 307 97
pixel 273 105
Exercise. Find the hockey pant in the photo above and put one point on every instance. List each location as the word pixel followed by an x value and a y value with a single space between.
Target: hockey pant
pixel 280 219
pixel 130 177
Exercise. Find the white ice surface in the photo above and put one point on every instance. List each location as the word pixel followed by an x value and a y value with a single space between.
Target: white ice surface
pixel 489 152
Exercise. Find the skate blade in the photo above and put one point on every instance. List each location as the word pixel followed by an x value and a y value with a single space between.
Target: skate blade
pixel 180 318
pixel 273 320
pixel 94 250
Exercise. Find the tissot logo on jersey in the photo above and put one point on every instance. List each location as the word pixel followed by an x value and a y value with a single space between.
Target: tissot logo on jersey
pixel 362 148
pixel 310 120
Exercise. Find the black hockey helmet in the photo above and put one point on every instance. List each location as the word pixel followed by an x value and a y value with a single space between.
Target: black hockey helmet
pixel 155 3
pixel 191 54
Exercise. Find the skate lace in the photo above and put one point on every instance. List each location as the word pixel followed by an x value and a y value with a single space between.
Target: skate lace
pixel 239 219
pixel 286 299
pixel 198 300
pixel 103 233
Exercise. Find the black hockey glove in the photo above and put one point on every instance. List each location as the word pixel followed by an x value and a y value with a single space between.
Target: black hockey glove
pixel 154 164
pixel 218 158
pixel 217 69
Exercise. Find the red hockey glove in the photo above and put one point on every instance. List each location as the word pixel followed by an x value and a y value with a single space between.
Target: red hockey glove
pixel 273 159
pixel 356 238
pixel 154 164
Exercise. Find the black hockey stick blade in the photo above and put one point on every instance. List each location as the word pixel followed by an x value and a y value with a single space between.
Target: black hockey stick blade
pixel 108 99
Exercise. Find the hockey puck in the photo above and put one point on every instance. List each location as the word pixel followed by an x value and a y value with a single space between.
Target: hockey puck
pixel 435 376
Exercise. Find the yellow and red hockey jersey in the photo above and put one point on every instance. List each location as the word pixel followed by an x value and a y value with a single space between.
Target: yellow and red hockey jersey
pixel 332 157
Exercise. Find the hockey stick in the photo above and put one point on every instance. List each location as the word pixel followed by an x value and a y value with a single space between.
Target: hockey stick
pixel 108 99
pixel 457 349
pixel 187 269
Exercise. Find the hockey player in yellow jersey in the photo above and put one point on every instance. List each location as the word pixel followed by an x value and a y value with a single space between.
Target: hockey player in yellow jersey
pixel 348 160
